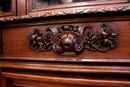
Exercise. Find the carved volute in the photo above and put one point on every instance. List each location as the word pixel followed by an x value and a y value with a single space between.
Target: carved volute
pixel 71 40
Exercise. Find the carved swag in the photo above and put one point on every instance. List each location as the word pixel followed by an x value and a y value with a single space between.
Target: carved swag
pixel 71 40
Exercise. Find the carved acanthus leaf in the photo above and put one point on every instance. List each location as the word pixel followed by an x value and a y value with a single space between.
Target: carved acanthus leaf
pixel 71 40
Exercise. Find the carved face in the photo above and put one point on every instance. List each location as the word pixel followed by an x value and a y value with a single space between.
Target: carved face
pixel 68 40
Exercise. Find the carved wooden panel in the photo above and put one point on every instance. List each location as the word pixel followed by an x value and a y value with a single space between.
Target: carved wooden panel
pixel 71 40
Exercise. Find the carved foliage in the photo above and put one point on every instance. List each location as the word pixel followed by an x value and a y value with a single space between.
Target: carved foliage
pixel 70 40
pixel 70 12
pixel 102 41
pixel 40 42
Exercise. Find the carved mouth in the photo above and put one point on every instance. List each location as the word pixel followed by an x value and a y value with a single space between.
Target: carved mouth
pixel 66 46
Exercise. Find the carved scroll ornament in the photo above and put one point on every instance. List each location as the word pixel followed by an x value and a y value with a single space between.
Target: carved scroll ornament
pixel 71 40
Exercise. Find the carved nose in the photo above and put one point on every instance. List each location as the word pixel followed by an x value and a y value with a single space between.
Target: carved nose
pixel 67 43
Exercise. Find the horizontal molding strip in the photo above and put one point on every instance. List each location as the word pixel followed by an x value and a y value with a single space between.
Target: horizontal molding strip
pixel 87 10
pixel 65 80
pixel 91 59
pixel 64 67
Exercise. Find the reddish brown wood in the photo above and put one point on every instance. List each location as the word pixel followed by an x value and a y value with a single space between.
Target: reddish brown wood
pixel 21 7
pixel 30 5
pixel 70 68
pixel 0 77
pixel 14 7
pixel 19 47
pixel 71 11
pixel 26 83
pixel 1 31
pixel 99 59
pixel 67 80
pixel 70 40
pixel 3 81
pixel 22 67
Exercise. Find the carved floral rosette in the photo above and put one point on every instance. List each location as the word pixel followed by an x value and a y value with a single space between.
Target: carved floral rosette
pixel 71 40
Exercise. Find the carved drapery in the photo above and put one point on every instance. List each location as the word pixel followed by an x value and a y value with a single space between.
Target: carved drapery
pixel 71 40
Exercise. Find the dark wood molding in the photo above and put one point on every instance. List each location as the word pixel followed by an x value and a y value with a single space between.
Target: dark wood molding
pixel 71 40
pixel 3 80
pixel 95 68
pixel 105 9
pixel 82 82
pixel 89 59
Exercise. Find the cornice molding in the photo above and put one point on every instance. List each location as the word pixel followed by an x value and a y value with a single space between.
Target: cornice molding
pixel 69 12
